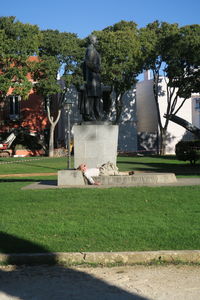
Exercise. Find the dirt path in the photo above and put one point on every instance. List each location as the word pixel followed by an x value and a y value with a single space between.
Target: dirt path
pixel 26 175
pixel 136 283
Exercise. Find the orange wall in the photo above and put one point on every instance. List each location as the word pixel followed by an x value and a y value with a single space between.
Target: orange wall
pixel 32 115
pixel 32 112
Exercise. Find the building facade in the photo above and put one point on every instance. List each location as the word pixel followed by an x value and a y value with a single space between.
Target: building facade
pixel 196 110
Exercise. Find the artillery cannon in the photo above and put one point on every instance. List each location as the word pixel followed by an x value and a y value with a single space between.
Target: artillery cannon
pixel 193 129
pixel 187 150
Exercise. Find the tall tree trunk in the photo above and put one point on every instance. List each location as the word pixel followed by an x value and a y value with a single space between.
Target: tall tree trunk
pixel 52 129
pixel 162 141
pixel 51 141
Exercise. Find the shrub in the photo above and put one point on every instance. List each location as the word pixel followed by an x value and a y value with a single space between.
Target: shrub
pixel 188 150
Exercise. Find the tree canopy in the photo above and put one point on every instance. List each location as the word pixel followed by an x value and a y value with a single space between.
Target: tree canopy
pixel 18 42
pixel 183 63
pixel 173 52
pixel 59 52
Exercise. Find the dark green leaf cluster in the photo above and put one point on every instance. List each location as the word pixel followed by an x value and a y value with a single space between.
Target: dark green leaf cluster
pixel 183 65
pixel 188 150
pixel 58 52
pixel 18 42
pixel 119 46
pixel 175 52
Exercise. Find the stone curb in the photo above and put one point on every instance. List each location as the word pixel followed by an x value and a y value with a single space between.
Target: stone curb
pixel 104 258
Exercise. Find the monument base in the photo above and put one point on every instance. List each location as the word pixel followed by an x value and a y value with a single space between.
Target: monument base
pixel 95 144
pixel 70 177
pixel 137 179
pixel 75 178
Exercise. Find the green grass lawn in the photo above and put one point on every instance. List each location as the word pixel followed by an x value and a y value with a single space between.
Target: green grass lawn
pixel 159 164
pixel 114 219
pixel 31 165
pixel 146 163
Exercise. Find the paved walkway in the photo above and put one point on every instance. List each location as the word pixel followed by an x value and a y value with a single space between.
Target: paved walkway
pixel 27 175
pixel 117 283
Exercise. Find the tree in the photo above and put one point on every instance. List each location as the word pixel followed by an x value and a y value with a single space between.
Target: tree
pixel 18 42
pixel 119 47
pixel 58 52
pixel 169 51
pixel 183 64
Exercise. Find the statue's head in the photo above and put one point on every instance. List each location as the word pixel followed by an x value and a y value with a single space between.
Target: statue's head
pixel 93 39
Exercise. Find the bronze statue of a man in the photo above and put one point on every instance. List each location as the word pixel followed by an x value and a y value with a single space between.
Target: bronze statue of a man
pixel 91 96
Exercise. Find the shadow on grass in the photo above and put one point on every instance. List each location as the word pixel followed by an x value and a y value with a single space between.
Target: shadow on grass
pixel 178 169
pixel 48 182
pixel 47 281
pixel 18 180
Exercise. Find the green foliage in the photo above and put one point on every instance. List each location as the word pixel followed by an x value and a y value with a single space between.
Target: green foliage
pixel 156 40
pixel 18 42
pixel 183 63
pixel 122 26
pixel 188 150
pixel 45 74
pixel 119 47
pixel 58 51
pixel 174 50
pixel 54 50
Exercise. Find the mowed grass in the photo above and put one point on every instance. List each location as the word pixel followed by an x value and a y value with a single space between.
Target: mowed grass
pixel 165 164
pixel 146 163
pixel 31 165
pixel 114 219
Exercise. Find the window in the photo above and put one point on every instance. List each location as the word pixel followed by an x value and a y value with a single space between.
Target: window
pixel 14 107
pixel 197 103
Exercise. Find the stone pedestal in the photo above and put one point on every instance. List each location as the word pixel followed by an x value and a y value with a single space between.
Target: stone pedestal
pixel 70 177
pixel 95 144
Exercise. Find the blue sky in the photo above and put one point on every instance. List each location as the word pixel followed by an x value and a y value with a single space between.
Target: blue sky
pixel 82 17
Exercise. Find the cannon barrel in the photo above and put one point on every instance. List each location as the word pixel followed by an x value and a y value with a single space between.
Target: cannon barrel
pixel 195 130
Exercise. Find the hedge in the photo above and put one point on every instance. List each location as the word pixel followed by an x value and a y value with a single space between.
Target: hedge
pixel 188 150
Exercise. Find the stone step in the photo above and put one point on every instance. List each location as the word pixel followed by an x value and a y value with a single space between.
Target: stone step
pixel 75 178
pixel 142 178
